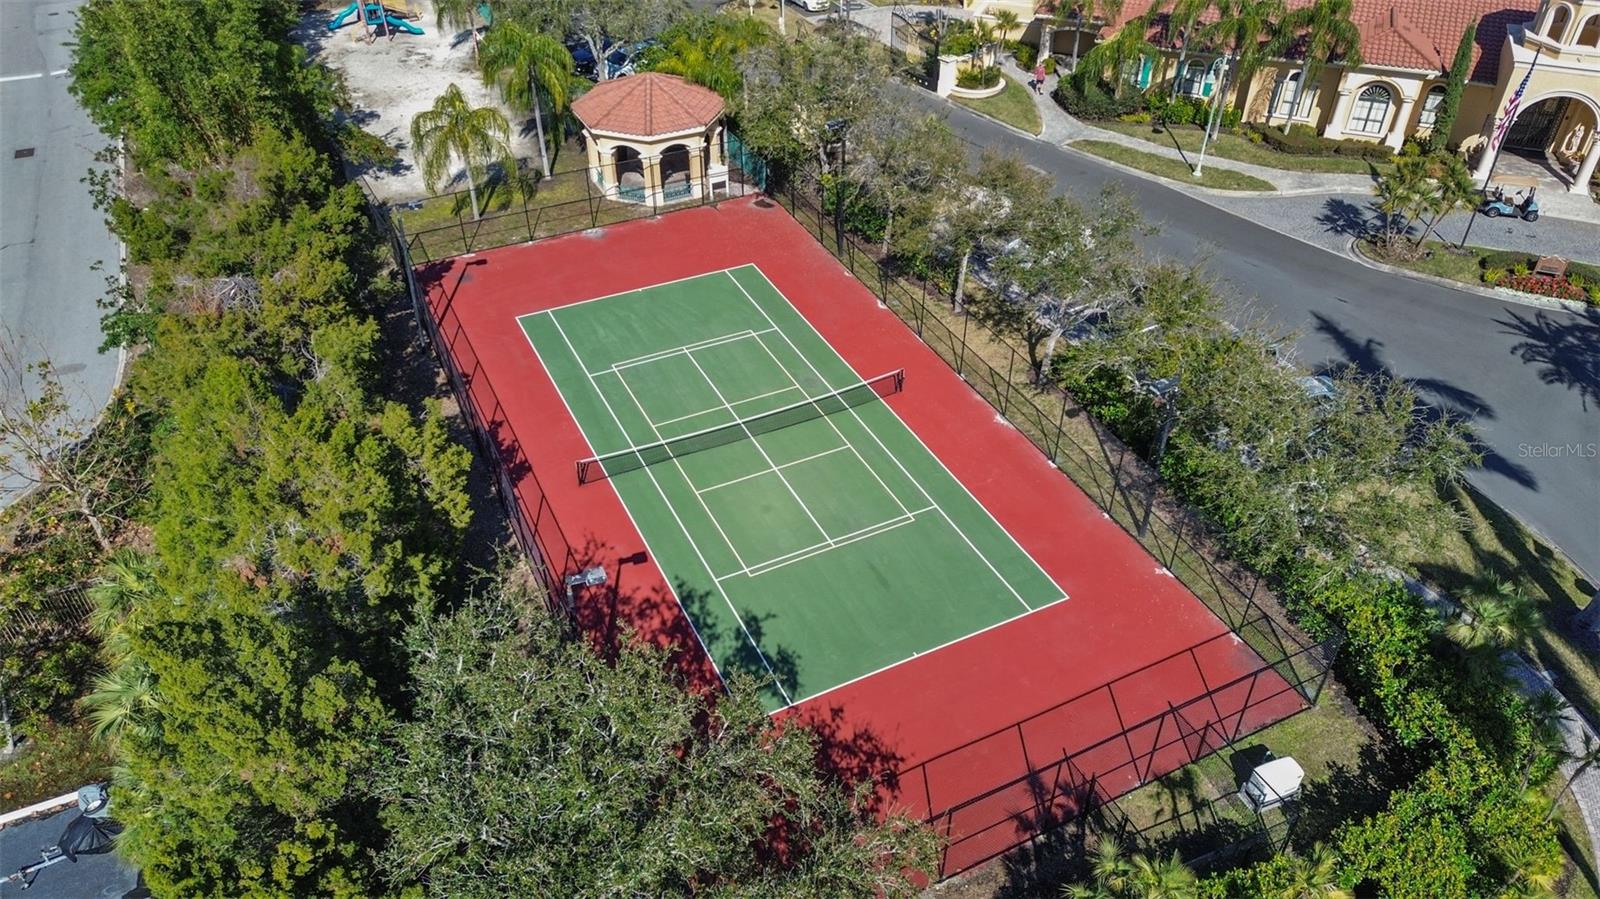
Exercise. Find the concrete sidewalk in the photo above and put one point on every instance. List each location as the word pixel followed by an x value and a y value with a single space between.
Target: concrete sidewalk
pixel 1329 209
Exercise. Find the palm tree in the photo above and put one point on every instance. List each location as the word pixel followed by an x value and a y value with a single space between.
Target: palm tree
pixel 1241 29
pixel 1314 875
pixel 1129 45
pixel 530 68
pixel 121 701
pixel 1546 710
pixel 1005 22
pixel 455 13
pixel 453 130
pixel 709 53
pixel 1093 10
pixel 984 33
pixel 1181 21
pixel 1454 188
pixel 1495 617
pixel 1328 32
pixel 126 583
pixel 1584 759
pixel 1134 876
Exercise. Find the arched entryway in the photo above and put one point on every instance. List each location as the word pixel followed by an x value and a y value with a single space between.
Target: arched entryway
pixel 629 168
pixel 676 179
pixel 1552 136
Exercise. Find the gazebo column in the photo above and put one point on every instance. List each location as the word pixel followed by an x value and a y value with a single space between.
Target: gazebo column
pixel 609 179
pixel 697 169
pixel 597 174
pixel 716 147
pixel 652 179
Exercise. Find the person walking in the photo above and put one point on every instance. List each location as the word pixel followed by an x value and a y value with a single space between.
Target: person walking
pixel 1038 77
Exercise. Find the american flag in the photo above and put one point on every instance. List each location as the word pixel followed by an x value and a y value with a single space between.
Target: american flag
pixel 1510 113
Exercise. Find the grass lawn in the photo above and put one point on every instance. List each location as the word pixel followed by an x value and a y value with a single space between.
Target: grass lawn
pixel 60 759
pixel 1492 544
pixel 1580 878
pixel 1196 807
pixel 1221 179
pixel 1240 149
pixel 1014 106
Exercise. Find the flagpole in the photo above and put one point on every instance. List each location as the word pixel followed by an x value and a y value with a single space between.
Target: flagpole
pixel 1499 144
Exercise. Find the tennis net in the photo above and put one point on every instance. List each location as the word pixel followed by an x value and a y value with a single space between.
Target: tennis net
pixel 607 465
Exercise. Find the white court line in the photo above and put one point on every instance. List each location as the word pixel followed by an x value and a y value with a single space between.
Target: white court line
pixel 829 419
pixel 620 293
pixel 746 334
pixel 896 459
pixel 623 503
pixel 671 508
pixel 812 552
pixel 748 399
pixel 705 490
pixel 760 449
pixel 675 463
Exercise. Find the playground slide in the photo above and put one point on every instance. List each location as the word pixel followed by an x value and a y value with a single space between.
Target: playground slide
pixel 353 12
pixel 402 24
pixel 339 20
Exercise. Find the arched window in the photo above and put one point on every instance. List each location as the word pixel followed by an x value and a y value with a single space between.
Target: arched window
pixel 1590 35
pixel 1288 93
pixel 1430 106
pixel 1371 110
pixel 1555 26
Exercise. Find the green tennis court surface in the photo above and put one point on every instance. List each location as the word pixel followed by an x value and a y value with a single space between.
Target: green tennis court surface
pixel 809 535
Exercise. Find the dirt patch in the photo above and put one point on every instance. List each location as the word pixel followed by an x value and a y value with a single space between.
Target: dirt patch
pixel 391 79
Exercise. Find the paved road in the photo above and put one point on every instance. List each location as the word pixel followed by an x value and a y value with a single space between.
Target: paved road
pixel 1529 380
pixel 51 237
pixel 100 876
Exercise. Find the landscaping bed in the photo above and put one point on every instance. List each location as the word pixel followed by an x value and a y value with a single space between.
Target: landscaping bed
pixel 1239 148
pixel 1012 106
pixel 1176 169
pixel 1506 269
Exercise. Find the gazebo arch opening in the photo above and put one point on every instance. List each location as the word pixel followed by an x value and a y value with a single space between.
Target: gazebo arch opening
pixel 676 182
pixel 629 166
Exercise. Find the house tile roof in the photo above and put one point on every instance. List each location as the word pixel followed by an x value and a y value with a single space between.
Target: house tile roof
pixel 647 105
pixel 1407 34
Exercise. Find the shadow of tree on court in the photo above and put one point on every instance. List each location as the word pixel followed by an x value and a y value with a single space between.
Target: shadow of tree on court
pixel 743 646
pixel 855 755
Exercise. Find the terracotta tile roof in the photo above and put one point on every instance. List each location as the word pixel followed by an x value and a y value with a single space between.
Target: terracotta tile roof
pixel 647 105
pixel 1409 34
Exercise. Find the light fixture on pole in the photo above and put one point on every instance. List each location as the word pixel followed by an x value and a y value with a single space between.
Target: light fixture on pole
pixel 593 576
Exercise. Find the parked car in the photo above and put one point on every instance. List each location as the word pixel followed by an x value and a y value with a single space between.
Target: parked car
pixel 583 56
pixel 620 62
pixel 813 5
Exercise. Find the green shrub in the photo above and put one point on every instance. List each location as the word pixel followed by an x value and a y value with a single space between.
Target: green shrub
pixel 976 78
pixel 1093 102
pixel 1025 55
pixel 1135 118
pixel 1493 275
pixel 1049 65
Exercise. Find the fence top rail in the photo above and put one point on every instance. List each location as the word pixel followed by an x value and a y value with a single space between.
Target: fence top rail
pixel 1111 685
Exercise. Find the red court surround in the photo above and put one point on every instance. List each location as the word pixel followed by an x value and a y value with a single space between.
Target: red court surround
pixel 957 722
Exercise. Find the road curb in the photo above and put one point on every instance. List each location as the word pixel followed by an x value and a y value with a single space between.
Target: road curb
pixel 38 809
pixel 1170 182
pixel 1353 250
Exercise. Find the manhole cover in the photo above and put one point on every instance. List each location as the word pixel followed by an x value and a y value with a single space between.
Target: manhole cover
pixel 23 153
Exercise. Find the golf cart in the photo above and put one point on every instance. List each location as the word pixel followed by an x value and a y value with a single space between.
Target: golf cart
pixel 1520 204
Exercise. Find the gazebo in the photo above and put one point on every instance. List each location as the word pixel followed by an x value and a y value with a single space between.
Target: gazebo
pixel 653 139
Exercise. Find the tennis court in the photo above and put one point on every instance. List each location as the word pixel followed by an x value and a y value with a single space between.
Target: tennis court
pixel 810 536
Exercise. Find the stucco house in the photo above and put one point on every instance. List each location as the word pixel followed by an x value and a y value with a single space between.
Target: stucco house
pixel 1407 47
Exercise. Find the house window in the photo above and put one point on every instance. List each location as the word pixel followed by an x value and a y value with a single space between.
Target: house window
pixel 1138 71
pixel 1371 110
pixel 1555 27
pixel 1288 92
pixel 1198 78
pixel 1430 106
pixel 1590 35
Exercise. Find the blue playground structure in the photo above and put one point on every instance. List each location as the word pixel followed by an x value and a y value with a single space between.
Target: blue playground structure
pixel 375 15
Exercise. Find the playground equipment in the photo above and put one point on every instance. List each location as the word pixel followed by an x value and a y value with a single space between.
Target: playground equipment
pixel 374 15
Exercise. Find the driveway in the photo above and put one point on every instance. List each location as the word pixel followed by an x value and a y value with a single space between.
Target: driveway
pixel 1527 379
pixel 51 237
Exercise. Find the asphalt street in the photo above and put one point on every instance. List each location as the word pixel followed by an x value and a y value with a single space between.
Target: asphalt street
pixel 1527 379
pixel 55 251
pixel 98 876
